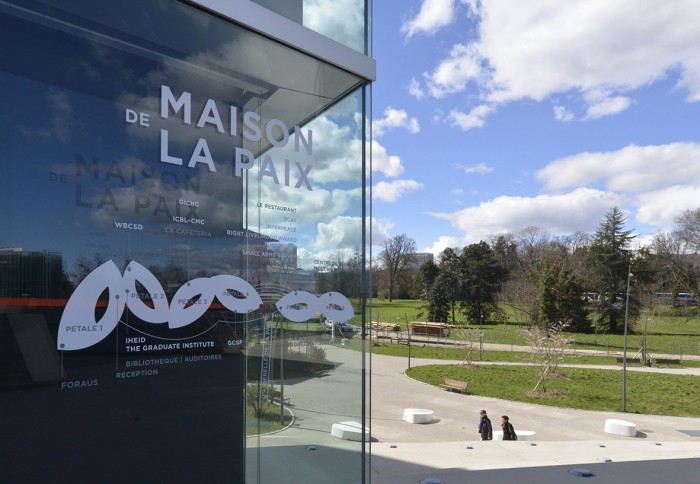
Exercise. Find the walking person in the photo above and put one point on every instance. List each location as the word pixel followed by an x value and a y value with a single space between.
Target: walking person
pixel 508 430
pixel 485 428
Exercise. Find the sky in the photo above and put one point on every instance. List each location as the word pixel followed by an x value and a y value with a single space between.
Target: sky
pixel 493 116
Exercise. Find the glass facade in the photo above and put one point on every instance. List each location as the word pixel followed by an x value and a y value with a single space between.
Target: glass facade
pixel 183 257
pixel 344 21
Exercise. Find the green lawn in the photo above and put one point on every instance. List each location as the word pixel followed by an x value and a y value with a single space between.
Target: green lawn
pixel 586 389
pixel 270 420
pixel 446 352
pixel 589 389
pixel 673 333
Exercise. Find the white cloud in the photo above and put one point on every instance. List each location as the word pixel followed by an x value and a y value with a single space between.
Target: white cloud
pixel 388 165
pixel 343 233
pixel 392 191
pixel 478 169
pixel 341 20
pixel 661 207
pixel 534 49
pixel 380 230
pixel 474 119
pixel 339 233
pixel 581 209
pixel 414 89
pixel 395 118
pixel 607 107
pixel 454 73
pixel 442 243
pixel 562 114
pixel 631 169
pixel 433 15
pixel 60 123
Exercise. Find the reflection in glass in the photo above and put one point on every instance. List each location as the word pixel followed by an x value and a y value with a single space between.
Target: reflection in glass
pixel 171 178
pixel 340 20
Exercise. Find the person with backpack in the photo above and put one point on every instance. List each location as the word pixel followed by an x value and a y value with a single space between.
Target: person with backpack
pixel 508 430
pixel 485 428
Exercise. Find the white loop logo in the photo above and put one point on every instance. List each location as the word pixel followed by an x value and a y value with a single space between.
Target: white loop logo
pixel 78 328
pixel 299 306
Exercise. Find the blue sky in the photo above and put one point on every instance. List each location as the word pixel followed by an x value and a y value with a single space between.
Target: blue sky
pixel 492 116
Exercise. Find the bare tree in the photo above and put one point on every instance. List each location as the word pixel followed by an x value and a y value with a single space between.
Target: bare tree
pixel 398 255
pixel 688 229
pixel 548 345
pixel 285 262
pixel 469 336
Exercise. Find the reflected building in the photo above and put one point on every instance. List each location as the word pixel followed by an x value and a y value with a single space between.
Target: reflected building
pixel 177 161
pixel 36 274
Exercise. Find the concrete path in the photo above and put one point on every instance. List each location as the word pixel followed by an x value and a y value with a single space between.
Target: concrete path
pixel 403 452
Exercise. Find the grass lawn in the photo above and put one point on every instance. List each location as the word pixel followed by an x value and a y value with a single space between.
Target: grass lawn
pixel 449 353
pixel 398 311
pixel 270 420
pixel 672 333
pixel 585 389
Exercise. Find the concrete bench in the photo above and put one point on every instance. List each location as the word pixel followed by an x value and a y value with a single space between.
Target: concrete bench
pixel 620 427
pixel 418 415
pixel 529 435
pixel 450 384
pixel 348 430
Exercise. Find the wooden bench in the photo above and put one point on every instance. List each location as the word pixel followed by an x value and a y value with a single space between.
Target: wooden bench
pixel 667 361
pixel 450 384
pixel 634 361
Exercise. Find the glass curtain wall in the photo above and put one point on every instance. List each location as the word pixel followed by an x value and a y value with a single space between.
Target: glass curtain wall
pixel 344 21
pixel 183 250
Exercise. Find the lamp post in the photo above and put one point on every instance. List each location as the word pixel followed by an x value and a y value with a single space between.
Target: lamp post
pixel 624 342
pixel 646 353
pixel 481 335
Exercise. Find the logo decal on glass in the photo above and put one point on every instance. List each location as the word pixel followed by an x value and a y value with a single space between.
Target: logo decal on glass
pixel 78 328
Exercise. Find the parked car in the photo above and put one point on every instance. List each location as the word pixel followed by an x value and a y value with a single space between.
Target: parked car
pixel 341 327
pixel 686 299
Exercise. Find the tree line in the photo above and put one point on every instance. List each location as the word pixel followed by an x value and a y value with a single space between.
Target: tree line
pixel 588 281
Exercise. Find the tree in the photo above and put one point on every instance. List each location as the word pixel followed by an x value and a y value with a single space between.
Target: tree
pixel 688 229
pixel 398 255
pixel 469 337
pixel 611 257
pixel 438 307
pixel 450 270
pixel 481 279
pixel 561 297
pixel 428 273
pixel 548 345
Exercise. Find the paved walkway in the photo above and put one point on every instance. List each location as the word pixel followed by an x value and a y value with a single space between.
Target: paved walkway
pixel 449 446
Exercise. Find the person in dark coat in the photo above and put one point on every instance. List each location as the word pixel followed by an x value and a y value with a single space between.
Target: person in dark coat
pixel 485 428
pixel 508 430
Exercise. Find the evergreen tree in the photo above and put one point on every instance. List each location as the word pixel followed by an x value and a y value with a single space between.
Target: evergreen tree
pixel 481 279
pixel 610 257
pixel 561 298
pixel 451 271
pixel 438 307
pixel 428 273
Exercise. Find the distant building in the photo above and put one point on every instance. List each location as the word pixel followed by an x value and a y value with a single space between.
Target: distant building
pixel 422 258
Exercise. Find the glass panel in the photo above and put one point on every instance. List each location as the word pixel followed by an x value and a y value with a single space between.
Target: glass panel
pixel 340 20
pixel 184 221
pixel 315 364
